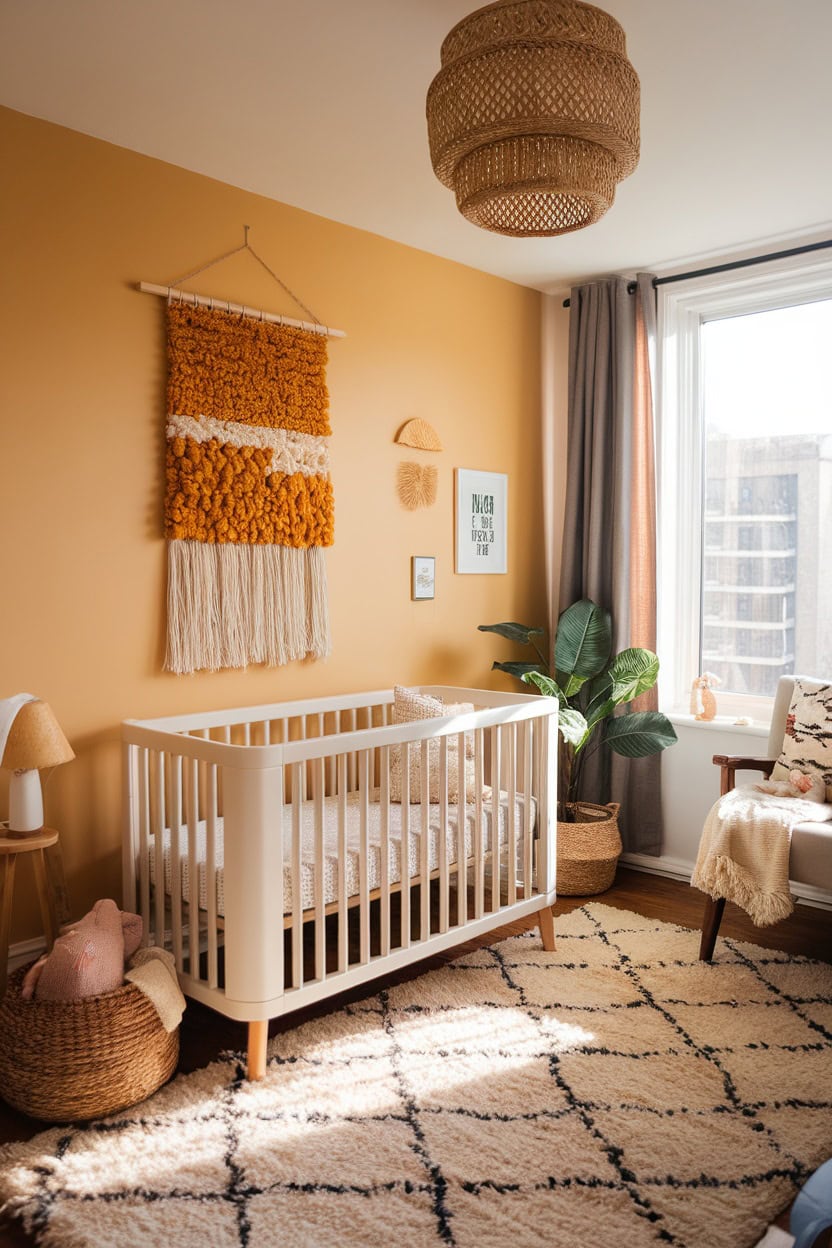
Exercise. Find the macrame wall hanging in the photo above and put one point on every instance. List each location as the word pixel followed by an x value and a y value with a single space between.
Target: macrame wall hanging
pixel 249 502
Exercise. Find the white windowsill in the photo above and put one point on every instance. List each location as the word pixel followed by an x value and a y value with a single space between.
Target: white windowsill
pixel 721 723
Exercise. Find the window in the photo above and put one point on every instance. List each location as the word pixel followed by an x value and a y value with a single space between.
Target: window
pixel 745 481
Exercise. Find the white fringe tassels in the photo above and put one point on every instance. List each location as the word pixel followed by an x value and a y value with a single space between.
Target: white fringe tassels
pixel 231 605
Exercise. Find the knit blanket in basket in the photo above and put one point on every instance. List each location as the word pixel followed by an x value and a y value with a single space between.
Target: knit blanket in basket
pixel 744 850
pixel 249 505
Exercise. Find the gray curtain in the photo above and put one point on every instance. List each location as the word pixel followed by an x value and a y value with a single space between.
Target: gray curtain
pixel 609 540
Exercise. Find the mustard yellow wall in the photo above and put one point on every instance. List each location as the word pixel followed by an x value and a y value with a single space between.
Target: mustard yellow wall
pixel 81 453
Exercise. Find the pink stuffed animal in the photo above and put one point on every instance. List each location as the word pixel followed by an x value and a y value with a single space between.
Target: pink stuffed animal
pixel 88 958
pixel 799 784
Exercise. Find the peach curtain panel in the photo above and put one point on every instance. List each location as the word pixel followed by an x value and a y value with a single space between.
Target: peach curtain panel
pixel 609 549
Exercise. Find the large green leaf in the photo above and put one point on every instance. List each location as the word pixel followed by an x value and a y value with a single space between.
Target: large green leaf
pixel 514 669
pixel 582 644
pixel 596 699
pixel 521 633
pixel 572 725
pixel 571 722
pixel 545 684
pixel 639 734
pixel 633 672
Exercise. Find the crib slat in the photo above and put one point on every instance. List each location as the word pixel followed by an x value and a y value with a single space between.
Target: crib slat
pixel 158 813
pixel 297 909
pixel 363 853
pixel 528 731
pixel 192 775
pixel 511 815
pixel 332 765
pixel 343 908
pixel 494 838
pixel 404 852
pixel 320 864
pixel 444 883
pixel 424 842
pixel 384 850
pixel 304 793
pixel 461 829
pixel 479 857
pixel 173 768
pixel 353 722
pixel 211 871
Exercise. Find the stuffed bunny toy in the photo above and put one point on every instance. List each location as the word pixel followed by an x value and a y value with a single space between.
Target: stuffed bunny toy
pixel 799 784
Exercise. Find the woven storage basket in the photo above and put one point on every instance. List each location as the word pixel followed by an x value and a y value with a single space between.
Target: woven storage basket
pixel 588 851
pixel 65 1061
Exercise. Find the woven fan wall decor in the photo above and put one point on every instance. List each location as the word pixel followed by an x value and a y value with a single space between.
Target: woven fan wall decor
pixel 419 434
pixel 249 501
pixel 533 118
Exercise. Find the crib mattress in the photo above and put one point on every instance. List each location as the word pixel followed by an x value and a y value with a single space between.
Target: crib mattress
pixel 353 834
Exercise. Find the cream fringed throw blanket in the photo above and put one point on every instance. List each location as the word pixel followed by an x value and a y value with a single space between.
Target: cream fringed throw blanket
pixel 744 850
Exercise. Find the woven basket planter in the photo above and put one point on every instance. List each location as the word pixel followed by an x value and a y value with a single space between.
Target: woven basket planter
pixel 66 1061
pixel 588 851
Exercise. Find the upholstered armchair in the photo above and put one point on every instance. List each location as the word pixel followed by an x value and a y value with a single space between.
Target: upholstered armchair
pixel 810 855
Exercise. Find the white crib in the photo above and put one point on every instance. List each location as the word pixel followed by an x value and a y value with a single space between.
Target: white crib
pixel 261 845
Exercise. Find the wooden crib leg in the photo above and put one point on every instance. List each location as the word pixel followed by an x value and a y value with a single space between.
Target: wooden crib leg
pixel 258 1039
pixel 546 922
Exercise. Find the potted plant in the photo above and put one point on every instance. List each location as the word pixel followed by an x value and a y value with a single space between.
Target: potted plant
pixel 591 685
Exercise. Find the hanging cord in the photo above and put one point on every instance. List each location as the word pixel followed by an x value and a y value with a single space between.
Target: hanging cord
pixel 246 246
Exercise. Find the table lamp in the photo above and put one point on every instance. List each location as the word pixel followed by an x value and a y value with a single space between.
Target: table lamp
pixel 35 741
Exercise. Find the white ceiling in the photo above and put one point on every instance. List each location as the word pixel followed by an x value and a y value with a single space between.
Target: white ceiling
pixel 321 104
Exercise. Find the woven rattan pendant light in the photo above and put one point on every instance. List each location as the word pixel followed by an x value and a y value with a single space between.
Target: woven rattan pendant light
pixel 533 118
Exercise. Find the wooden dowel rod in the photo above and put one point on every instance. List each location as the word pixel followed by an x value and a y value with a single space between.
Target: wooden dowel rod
pixel 207 301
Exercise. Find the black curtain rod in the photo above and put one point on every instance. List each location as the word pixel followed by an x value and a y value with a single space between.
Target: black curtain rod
pixel 733 264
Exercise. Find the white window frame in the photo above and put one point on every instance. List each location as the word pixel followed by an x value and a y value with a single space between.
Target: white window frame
pixel 683 307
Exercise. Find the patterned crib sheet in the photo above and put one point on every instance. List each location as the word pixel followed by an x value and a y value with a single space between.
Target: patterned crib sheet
pixel 353 834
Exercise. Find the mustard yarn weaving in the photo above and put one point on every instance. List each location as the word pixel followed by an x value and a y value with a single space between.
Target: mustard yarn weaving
pixel 247 476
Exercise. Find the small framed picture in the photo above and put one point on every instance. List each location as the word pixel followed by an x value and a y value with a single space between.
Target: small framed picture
pixel 481 507
pixel 422 577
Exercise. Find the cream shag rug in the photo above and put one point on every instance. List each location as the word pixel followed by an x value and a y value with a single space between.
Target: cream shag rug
pixel 616 1091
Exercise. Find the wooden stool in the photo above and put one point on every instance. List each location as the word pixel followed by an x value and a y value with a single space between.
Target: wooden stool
pixel 11 847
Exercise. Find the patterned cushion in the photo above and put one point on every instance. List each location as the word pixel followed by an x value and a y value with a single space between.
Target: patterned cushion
pixel 807 744
pixel 410 705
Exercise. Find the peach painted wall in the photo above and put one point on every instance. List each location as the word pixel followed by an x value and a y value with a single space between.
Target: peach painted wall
pixel 81 453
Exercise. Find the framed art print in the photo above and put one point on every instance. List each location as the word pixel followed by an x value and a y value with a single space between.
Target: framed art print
pixel 422 577
pixel 481 507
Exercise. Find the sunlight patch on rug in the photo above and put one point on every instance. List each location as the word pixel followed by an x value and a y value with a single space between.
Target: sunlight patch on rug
pixel 614 1089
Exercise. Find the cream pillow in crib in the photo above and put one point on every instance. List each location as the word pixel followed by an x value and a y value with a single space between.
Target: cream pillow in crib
pixel 410 705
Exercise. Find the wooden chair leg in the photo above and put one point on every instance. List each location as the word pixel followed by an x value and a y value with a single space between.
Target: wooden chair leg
pixel 547 928
pixel 711 920
pixel 258 1040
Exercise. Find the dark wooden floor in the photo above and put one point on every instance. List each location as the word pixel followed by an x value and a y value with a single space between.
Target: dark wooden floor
pixel 204 1034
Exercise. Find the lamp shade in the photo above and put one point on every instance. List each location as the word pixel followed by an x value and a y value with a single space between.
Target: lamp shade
pixel 533 118
pixel 35 740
